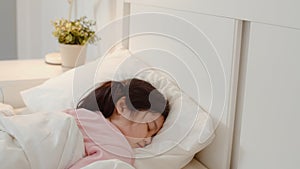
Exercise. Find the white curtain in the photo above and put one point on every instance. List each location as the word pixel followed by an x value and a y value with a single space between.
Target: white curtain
pixel 108 14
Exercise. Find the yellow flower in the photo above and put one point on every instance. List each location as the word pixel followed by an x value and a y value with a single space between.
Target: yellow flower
pixel 78 31
pixel 68 25
pixel 68 38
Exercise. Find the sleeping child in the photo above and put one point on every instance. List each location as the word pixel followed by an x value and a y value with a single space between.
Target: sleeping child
pixel 132 108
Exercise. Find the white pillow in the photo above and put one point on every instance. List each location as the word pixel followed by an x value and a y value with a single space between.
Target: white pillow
pixel 187 130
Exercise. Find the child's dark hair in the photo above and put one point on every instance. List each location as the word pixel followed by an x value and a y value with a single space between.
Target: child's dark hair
pixel 140 95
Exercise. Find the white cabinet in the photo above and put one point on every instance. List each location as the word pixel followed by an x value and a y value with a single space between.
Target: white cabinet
pixel 18 75
pixel 269 107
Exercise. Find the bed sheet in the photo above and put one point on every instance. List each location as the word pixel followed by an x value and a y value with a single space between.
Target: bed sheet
pixel 194 164
pixel 117 164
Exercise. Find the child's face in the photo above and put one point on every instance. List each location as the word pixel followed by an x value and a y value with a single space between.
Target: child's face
pixel 139 126
pixel 139 130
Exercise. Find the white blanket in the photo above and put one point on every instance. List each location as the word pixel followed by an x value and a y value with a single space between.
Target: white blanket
pixel 39 141
pixel 43 141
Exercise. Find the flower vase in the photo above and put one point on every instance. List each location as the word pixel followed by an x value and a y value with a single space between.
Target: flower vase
pixel 72 55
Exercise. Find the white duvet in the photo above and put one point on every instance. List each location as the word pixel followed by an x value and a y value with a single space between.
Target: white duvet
pixel 43 141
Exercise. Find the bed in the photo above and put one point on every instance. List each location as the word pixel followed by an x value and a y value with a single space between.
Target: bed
pixel 65 91
pixel 189 48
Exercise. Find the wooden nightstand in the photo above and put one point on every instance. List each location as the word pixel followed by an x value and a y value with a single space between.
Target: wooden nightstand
pixel 18 75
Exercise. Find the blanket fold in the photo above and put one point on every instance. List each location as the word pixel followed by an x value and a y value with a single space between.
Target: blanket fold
pixel 39 141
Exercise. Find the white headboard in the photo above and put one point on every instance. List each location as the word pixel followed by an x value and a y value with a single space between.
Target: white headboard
pixel 200 51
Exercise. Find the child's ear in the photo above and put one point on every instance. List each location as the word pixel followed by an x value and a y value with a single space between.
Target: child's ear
pixel 121 105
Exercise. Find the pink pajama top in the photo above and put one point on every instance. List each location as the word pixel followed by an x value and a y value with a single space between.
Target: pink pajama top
pixel 102 140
